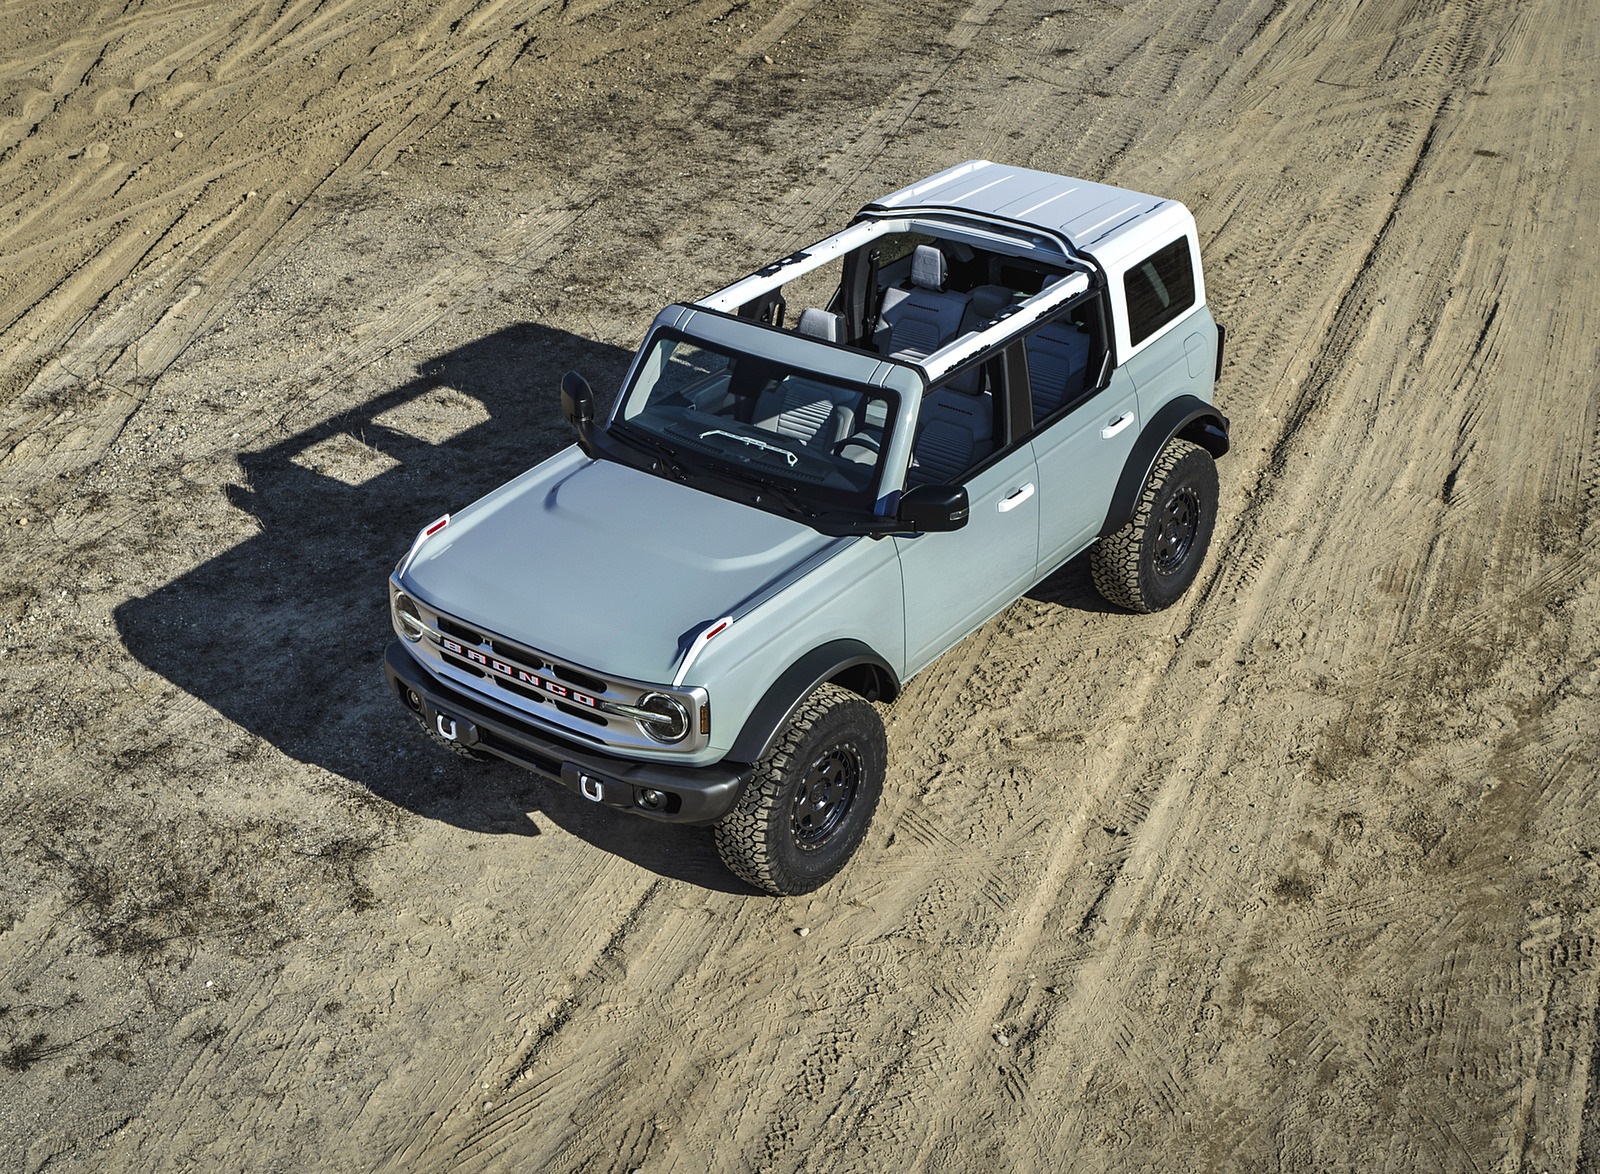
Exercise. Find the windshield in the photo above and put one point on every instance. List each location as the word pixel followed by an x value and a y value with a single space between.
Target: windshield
pixel 816 440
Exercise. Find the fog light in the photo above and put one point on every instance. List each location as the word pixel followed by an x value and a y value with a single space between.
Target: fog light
pixel 414 701
pixel 652 800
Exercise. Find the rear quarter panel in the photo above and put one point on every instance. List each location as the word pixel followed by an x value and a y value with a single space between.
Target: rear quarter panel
pixel 1181 360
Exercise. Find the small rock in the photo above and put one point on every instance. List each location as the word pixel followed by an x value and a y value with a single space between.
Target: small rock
pixel 803 931
pixel 177 134
pixel 1002 1039
pixel 766 58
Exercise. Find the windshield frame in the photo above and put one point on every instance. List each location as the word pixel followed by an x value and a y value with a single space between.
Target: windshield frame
pixel 733 457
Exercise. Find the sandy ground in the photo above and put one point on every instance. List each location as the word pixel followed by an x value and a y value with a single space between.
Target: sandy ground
pixel 1300 875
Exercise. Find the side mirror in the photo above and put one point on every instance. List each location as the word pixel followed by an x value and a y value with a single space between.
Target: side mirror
pixel 931 509
pixel 577 400
pixel 577 405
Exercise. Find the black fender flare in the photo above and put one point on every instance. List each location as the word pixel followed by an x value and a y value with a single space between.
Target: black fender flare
pixel 1187 416
pixel 821 664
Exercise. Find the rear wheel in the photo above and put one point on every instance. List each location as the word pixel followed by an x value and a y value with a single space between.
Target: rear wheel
pixel 1148 563
pixel 807 807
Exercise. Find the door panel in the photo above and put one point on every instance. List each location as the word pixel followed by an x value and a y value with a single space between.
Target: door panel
pixel 955 581
pixel 1079 459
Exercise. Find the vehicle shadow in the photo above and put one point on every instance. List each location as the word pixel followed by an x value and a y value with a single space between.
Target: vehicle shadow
pixel 1071 585
pixel 284 633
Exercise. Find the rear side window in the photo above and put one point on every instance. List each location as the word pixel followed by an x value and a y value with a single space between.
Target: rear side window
pixel 1158 289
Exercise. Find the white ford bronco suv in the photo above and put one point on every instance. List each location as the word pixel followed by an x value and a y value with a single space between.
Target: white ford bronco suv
pixel 789 514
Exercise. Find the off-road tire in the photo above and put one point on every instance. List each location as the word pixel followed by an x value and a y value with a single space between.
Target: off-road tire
pixel 455 748
pixel 808 805
pixel 1148 563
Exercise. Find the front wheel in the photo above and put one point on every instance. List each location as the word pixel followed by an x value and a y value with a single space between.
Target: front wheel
pixel 1154 557
pixel 808 805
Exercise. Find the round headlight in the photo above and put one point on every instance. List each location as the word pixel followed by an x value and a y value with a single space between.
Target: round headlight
pixel 408 618
pixel 663 718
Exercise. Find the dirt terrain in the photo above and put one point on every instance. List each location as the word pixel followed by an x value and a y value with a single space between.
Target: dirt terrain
pixel 1299 875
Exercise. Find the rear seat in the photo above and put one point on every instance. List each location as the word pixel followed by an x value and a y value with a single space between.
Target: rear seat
pixel 919 320
pixel 986 305
pixel 1058 361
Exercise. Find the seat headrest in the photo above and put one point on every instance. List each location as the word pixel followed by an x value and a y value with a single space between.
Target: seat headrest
pixel 820 324
pixel 927 267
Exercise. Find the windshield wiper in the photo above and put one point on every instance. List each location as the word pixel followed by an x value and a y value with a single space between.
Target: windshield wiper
pixel 786 495
pixel 666 457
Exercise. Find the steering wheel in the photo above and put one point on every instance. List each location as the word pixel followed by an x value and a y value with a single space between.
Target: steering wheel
pixel 870 443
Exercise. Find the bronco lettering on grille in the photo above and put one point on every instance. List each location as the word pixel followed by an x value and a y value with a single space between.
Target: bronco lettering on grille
pixel 520 675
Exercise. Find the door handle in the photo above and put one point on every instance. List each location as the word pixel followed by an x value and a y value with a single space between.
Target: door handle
pixel 1116 426
pixel 1015 498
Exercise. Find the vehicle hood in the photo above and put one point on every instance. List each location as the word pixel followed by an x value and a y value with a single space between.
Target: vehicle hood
pixel 604 565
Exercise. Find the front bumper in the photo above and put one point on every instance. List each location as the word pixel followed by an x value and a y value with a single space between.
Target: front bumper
pixel 673 794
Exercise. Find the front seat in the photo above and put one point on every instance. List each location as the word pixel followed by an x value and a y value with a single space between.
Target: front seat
pixel 821 324
pixel 955 430
pixel 818 415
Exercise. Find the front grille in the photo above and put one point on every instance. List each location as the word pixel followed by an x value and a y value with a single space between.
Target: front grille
pixel 460 631
pixel 465 666
pixel 546 691
pixel 520 690
pixel 587 715
pixel 581 680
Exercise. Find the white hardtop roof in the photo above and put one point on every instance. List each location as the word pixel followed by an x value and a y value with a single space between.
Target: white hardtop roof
pixel 1109 226
pixel 1092 216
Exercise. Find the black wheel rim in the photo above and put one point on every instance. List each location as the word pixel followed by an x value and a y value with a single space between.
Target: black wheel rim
pixel 824 796
pixel 1176 527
